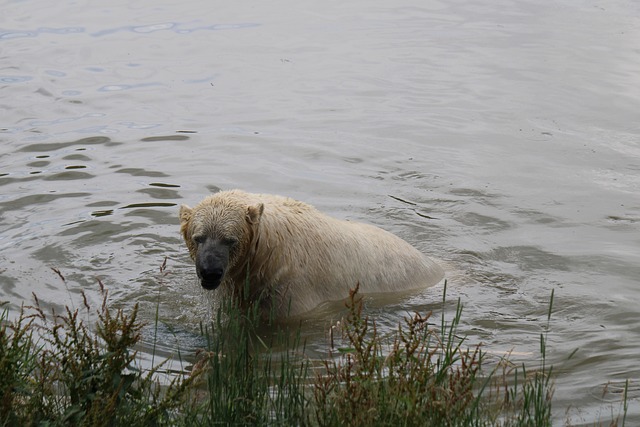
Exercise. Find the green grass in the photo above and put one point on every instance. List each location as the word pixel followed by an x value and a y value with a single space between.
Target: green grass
pixel 247 382
pixel 423 376
pixel 57 370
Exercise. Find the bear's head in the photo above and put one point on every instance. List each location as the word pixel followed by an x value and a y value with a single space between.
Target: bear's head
pixel 219 232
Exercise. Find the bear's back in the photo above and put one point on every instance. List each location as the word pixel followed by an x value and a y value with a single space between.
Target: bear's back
pixel 313 257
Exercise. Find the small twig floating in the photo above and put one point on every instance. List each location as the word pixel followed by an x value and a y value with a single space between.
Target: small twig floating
pixel 402 200
pixel 424 216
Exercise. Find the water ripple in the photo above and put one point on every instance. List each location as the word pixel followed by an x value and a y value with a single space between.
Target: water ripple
pixel 15 79
pixel 115 88
pixel 176 27
pixel 16 34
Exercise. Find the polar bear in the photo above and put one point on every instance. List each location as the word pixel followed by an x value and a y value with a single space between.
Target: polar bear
pixel 292 256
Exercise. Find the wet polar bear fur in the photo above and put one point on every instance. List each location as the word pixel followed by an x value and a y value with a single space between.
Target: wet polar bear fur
pixel 293 255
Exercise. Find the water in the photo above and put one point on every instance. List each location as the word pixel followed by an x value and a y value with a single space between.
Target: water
pixel 513 124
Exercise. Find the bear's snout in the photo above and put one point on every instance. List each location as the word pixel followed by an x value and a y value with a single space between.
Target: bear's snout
pixel 210 278
pixel 211 263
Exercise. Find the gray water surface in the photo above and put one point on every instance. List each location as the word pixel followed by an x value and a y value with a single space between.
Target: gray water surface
pixel 500 137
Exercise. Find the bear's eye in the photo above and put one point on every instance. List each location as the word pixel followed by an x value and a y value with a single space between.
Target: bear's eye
pixel 230 241
pixel 199 239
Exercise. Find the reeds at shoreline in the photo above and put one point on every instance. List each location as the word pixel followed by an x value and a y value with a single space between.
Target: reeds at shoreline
pixel 57 370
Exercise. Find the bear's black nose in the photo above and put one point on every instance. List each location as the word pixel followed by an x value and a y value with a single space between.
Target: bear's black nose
pixel 210 277
pixel 211 259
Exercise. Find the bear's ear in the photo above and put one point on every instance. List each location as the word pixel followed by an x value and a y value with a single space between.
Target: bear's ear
pixel 185 218
pixel 185 214
pixel 254 213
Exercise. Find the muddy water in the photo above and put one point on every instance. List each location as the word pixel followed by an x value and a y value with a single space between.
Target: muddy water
pixel 502 138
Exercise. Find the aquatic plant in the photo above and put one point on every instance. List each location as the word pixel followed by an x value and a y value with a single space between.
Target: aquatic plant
pixel 422 376
pixel 57 369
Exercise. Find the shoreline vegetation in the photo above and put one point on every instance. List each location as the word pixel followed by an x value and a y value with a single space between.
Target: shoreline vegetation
pixel 58 370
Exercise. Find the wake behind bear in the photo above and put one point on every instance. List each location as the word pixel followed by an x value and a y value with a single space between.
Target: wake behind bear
pixel 292 256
